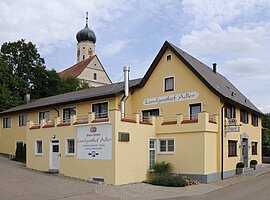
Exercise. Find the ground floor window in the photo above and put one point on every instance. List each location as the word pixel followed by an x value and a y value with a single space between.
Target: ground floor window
pixel 166 145
pixel 70 147
pixel 38 147
pixel 254 148
pixel 232 148
pixel 152 153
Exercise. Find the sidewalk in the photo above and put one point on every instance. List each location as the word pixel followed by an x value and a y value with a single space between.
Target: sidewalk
pixel 142 191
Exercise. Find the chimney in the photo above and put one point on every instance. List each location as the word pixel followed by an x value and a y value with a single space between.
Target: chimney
pixel 27 98
pixel 126 70
pixel 215 68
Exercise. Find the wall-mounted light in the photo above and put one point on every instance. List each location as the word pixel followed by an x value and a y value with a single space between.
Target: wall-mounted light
pixel 53 136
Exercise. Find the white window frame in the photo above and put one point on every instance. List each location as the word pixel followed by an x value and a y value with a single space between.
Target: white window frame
pixel 167 57
pixel 25 115
pixel 164 83
pixel 155 148
pixel 10 121
pixel 166 152
pixel 36 153
pixel 66 145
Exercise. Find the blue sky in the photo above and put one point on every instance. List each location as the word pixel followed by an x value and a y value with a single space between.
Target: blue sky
pixel 234 34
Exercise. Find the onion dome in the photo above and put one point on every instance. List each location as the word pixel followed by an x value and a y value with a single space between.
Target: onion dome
pixel 86 34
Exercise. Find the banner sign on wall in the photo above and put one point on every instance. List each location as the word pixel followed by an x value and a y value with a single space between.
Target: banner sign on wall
pixel 171 98
pixel 94 142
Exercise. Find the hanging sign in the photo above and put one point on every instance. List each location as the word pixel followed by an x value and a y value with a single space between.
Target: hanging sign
pixel 94 142
pixel 171 98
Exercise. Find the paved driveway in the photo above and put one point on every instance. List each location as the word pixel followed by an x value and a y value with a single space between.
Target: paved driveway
pixel 18 183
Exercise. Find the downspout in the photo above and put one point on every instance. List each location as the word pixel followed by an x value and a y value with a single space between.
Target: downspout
pixel 222 141
pixel 126 70
pixel 56 111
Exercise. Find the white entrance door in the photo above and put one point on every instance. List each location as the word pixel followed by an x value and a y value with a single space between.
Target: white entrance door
pixel 55 154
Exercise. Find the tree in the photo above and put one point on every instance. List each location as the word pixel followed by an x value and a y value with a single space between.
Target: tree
pixel 23 70
pixel 266 129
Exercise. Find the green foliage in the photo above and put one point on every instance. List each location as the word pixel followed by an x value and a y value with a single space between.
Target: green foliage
pixel 22 70
pixel 253 162
pixel 265 151
pixel 240 165
pixel 169 180
pixel 266 129
pixel 162 167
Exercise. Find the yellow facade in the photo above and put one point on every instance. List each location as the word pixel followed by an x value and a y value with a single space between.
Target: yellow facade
pixel 197 143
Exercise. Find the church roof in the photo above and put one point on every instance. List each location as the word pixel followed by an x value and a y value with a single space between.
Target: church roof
pixel 76 69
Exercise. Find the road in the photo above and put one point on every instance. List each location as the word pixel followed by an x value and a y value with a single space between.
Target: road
pixel 257 188
pixel 19 183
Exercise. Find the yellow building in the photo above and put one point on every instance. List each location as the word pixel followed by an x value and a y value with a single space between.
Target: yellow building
pixel 181 111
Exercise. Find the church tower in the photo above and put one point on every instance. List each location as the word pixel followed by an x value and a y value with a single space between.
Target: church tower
pixel 86 42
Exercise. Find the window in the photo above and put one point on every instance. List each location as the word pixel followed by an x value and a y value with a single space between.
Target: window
pixel 152 153
pixel 169 84
pixel 166 146
pixel 95 76
pixel 38 147
pixel 254 148
pixel 229 111
pixel 83 57
pixel 22 120
pixel 232 148
pixel 7 122
pixel 194 109
pixel 244 116
pixel 67 113
pixel 146 114
pixel 44 115
pixel 100 110
pixel 254 120
pixel 70 147
pixel 169 57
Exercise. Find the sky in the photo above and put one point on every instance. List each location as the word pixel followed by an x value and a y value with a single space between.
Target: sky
pixel 234 34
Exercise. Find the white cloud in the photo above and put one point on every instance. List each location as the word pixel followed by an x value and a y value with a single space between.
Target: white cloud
pixel 115 47
pixel 228 41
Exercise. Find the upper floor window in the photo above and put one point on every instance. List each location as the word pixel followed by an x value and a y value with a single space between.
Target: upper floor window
pixel 146 114
pixel 169 84
pixel 230 111
pixel 83 57
pixel 7 122
pixel 254 120
pixel 169 57
pixel 22 119
pixel 194 110
pixel 100 110
pixel 95 76
pixel 244 116
pixel 44 115
pixel 68 112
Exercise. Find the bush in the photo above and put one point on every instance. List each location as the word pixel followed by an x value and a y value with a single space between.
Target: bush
pixel 162 168
pixel 240 165
pixel 253 162
pixel 169 180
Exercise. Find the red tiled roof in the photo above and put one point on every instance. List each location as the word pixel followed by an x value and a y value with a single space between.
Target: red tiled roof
pixel 76 69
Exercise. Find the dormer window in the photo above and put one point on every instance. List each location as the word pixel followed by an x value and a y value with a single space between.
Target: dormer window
pixel 95 76
pixel 169 57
